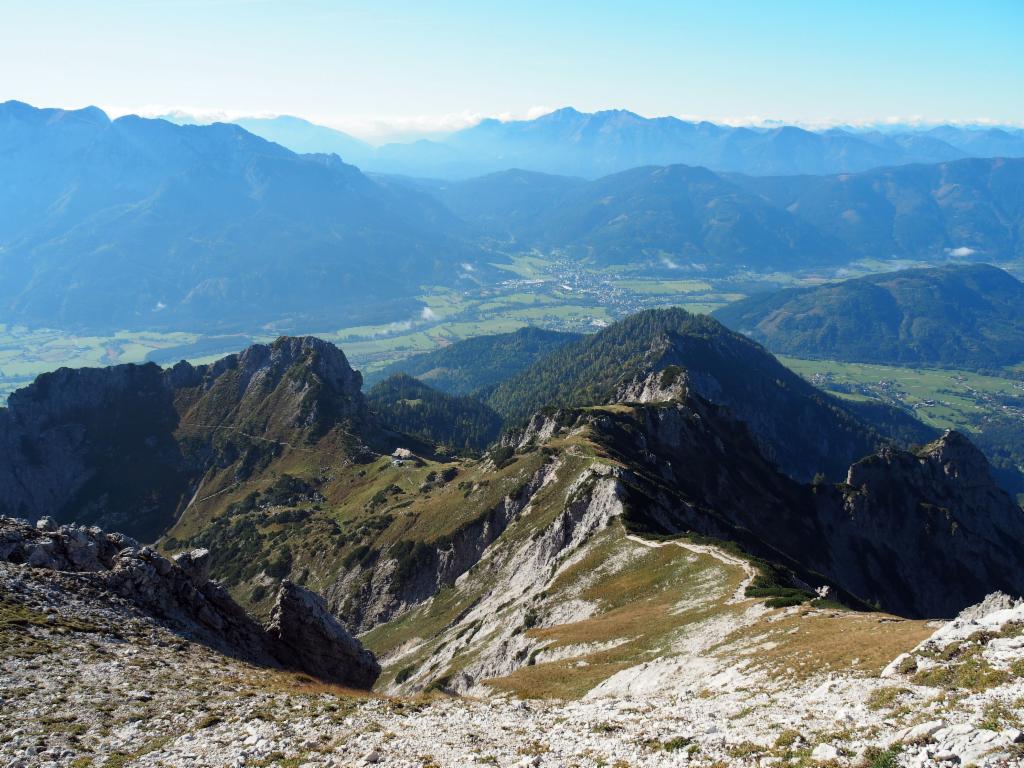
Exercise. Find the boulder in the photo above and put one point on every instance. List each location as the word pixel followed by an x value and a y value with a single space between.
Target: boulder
pixel 196 564
pixel 824 752
pixel 921 733
pixel 308 637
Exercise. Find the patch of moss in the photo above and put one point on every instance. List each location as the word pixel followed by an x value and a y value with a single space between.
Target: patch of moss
pixel 884 698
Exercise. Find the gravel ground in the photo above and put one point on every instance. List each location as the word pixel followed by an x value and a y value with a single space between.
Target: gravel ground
pixel 87 681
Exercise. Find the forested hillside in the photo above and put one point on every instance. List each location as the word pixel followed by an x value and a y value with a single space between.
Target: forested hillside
pixel 966 316
pixel 407 405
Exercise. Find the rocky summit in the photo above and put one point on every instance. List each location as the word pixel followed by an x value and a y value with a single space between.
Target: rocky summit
pixel 131 446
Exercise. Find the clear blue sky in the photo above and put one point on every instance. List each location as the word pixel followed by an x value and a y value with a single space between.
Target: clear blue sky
pixel 438 63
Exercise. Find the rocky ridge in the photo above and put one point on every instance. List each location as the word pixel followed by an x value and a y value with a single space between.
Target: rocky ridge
pixel 129 447
pixel 177 593
pixel 919 533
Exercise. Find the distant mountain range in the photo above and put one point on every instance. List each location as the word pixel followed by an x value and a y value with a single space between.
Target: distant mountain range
pixel 305 137
pixel 967 208
pixel 142 223
pixel 568 142
pixel 137 223
pixel 958 316
pixel 672 217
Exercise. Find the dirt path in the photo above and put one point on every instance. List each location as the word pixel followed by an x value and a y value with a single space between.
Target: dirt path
pixel 706 549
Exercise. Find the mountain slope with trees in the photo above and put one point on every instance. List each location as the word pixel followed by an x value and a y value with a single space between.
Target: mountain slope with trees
pixel 480 363
pixel 972 208
pixel 407 405
pixel 137 223
pixel 966 316
pixel 796 425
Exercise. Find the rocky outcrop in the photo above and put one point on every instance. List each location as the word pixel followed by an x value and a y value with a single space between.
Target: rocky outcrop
pixel 126 447
pixel 310 637
pixel 991 616
pixel 657 387
pixel 540 428
pixel 932 521
pixel 983 647
pixel 302 635
pixel 920 533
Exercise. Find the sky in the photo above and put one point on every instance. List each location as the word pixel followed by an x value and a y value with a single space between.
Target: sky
pixel 384 70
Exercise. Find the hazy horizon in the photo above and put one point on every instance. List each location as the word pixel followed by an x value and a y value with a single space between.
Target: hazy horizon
pixel 376 131
pixel 411 71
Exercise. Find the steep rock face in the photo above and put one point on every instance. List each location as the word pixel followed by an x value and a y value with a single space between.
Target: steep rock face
pixel 303 635
pixel 516 573
pixel 933 518
pixel 799 428
pixel 920 534
pixel 127 446
pixel 92 445
pixel 667 384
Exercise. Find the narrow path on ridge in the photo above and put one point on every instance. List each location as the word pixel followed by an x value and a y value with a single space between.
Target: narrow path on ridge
pixel 706 549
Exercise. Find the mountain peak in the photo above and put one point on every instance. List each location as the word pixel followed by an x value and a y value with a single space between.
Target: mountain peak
pixel 296 382
pixel 162 430
pixel 957 456
pixel 23 111
pixel 560 114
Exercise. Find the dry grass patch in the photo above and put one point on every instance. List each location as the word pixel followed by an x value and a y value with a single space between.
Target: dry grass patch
pixel 885 698
pixel 810 642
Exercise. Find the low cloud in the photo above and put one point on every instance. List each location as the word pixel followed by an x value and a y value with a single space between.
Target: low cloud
pixel 667 262
pixel 962 251
pixel 428 314
pixel 376 129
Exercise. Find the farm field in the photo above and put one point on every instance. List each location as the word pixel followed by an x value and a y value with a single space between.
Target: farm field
pixel 946 399
pixel 990 409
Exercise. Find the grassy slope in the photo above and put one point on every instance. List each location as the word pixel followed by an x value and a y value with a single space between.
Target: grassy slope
pixel 646 603
pixel 360 505
pixel 643 602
